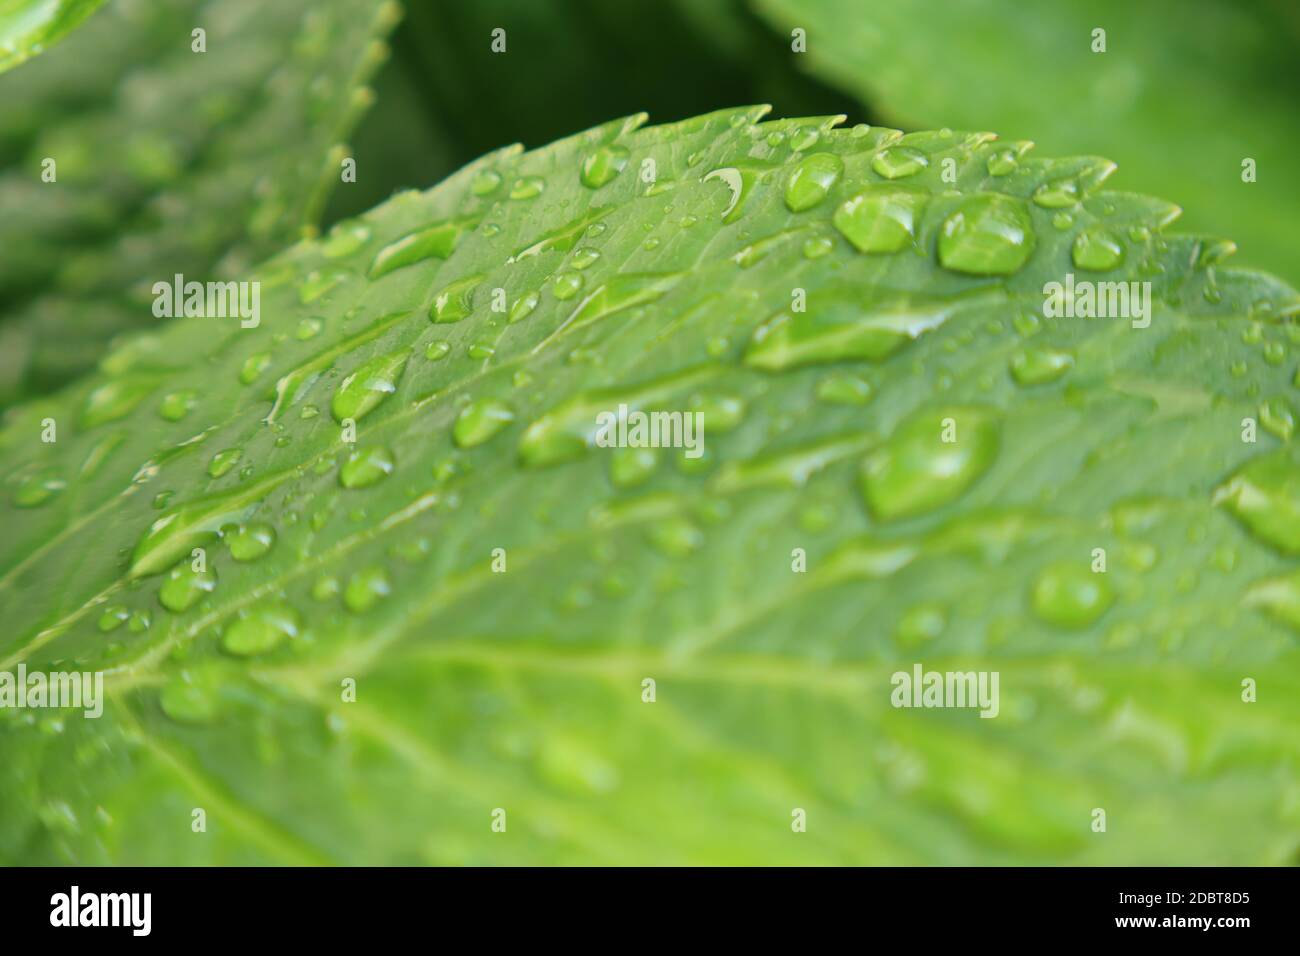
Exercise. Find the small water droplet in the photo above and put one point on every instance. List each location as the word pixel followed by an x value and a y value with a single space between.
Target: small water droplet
pixel 223 461
pixel 1069 595
pixel 365 588
pixel 1038 366
pixel 176 405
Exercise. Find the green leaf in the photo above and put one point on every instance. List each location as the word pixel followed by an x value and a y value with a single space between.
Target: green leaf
pixel 166 160
pixel 28 27
pixel 1180 109
pixel 496 587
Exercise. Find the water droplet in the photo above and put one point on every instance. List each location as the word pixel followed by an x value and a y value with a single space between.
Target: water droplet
pixel 365 588
pixel 804 137
pixel 437 350
pixel 601 166
pixel 1002 162
pixel 528 187
pixel 882 218
pixel 1038 366
pixel 738 182
pixel 223 461
pixel 176 405
pixel 344 239
pixel 524 306
pixel 898 162
pixel 308 328
pixel 584 258
pixel 370 384
pixel 1278 417
pixel 621 292
pixel 629 467
pixel 37 489
pixel 433 242
pixel 841 325
pixel 812 180
pixel 1097 250
pixel 1279 597
pixel 254 366
pixel 114 616
pixel 114 400
pixel 261 630
pixel 1264 495
pixel 188 700
pixel 817 246
pixel 183 586
pixel 566 285
pixel 455 301
pixel 480 421
pixel 1058 194
pixel 675 536
pixel 248 542
pixel 844 389
pixel 317 284
pixel 1069 595
pixel 990 234
pixel 366 467
pixel 916 471
pixel 485 182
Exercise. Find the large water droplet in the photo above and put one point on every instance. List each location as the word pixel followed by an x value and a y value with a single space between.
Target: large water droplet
pixel 898 162
pixel 370 384
pixel 1069 595
pixel 881 218
pixel 917 470
pixel 989 234
pixel 601 166
pixel 455 301
pixel 183 586
pixel 812 180
pixel 844 324
pixel 432 242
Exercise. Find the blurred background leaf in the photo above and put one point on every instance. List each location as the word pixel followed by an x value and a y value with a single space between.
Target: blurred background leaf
pixel 29 27
pixel 1182 94
pixel 167 161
